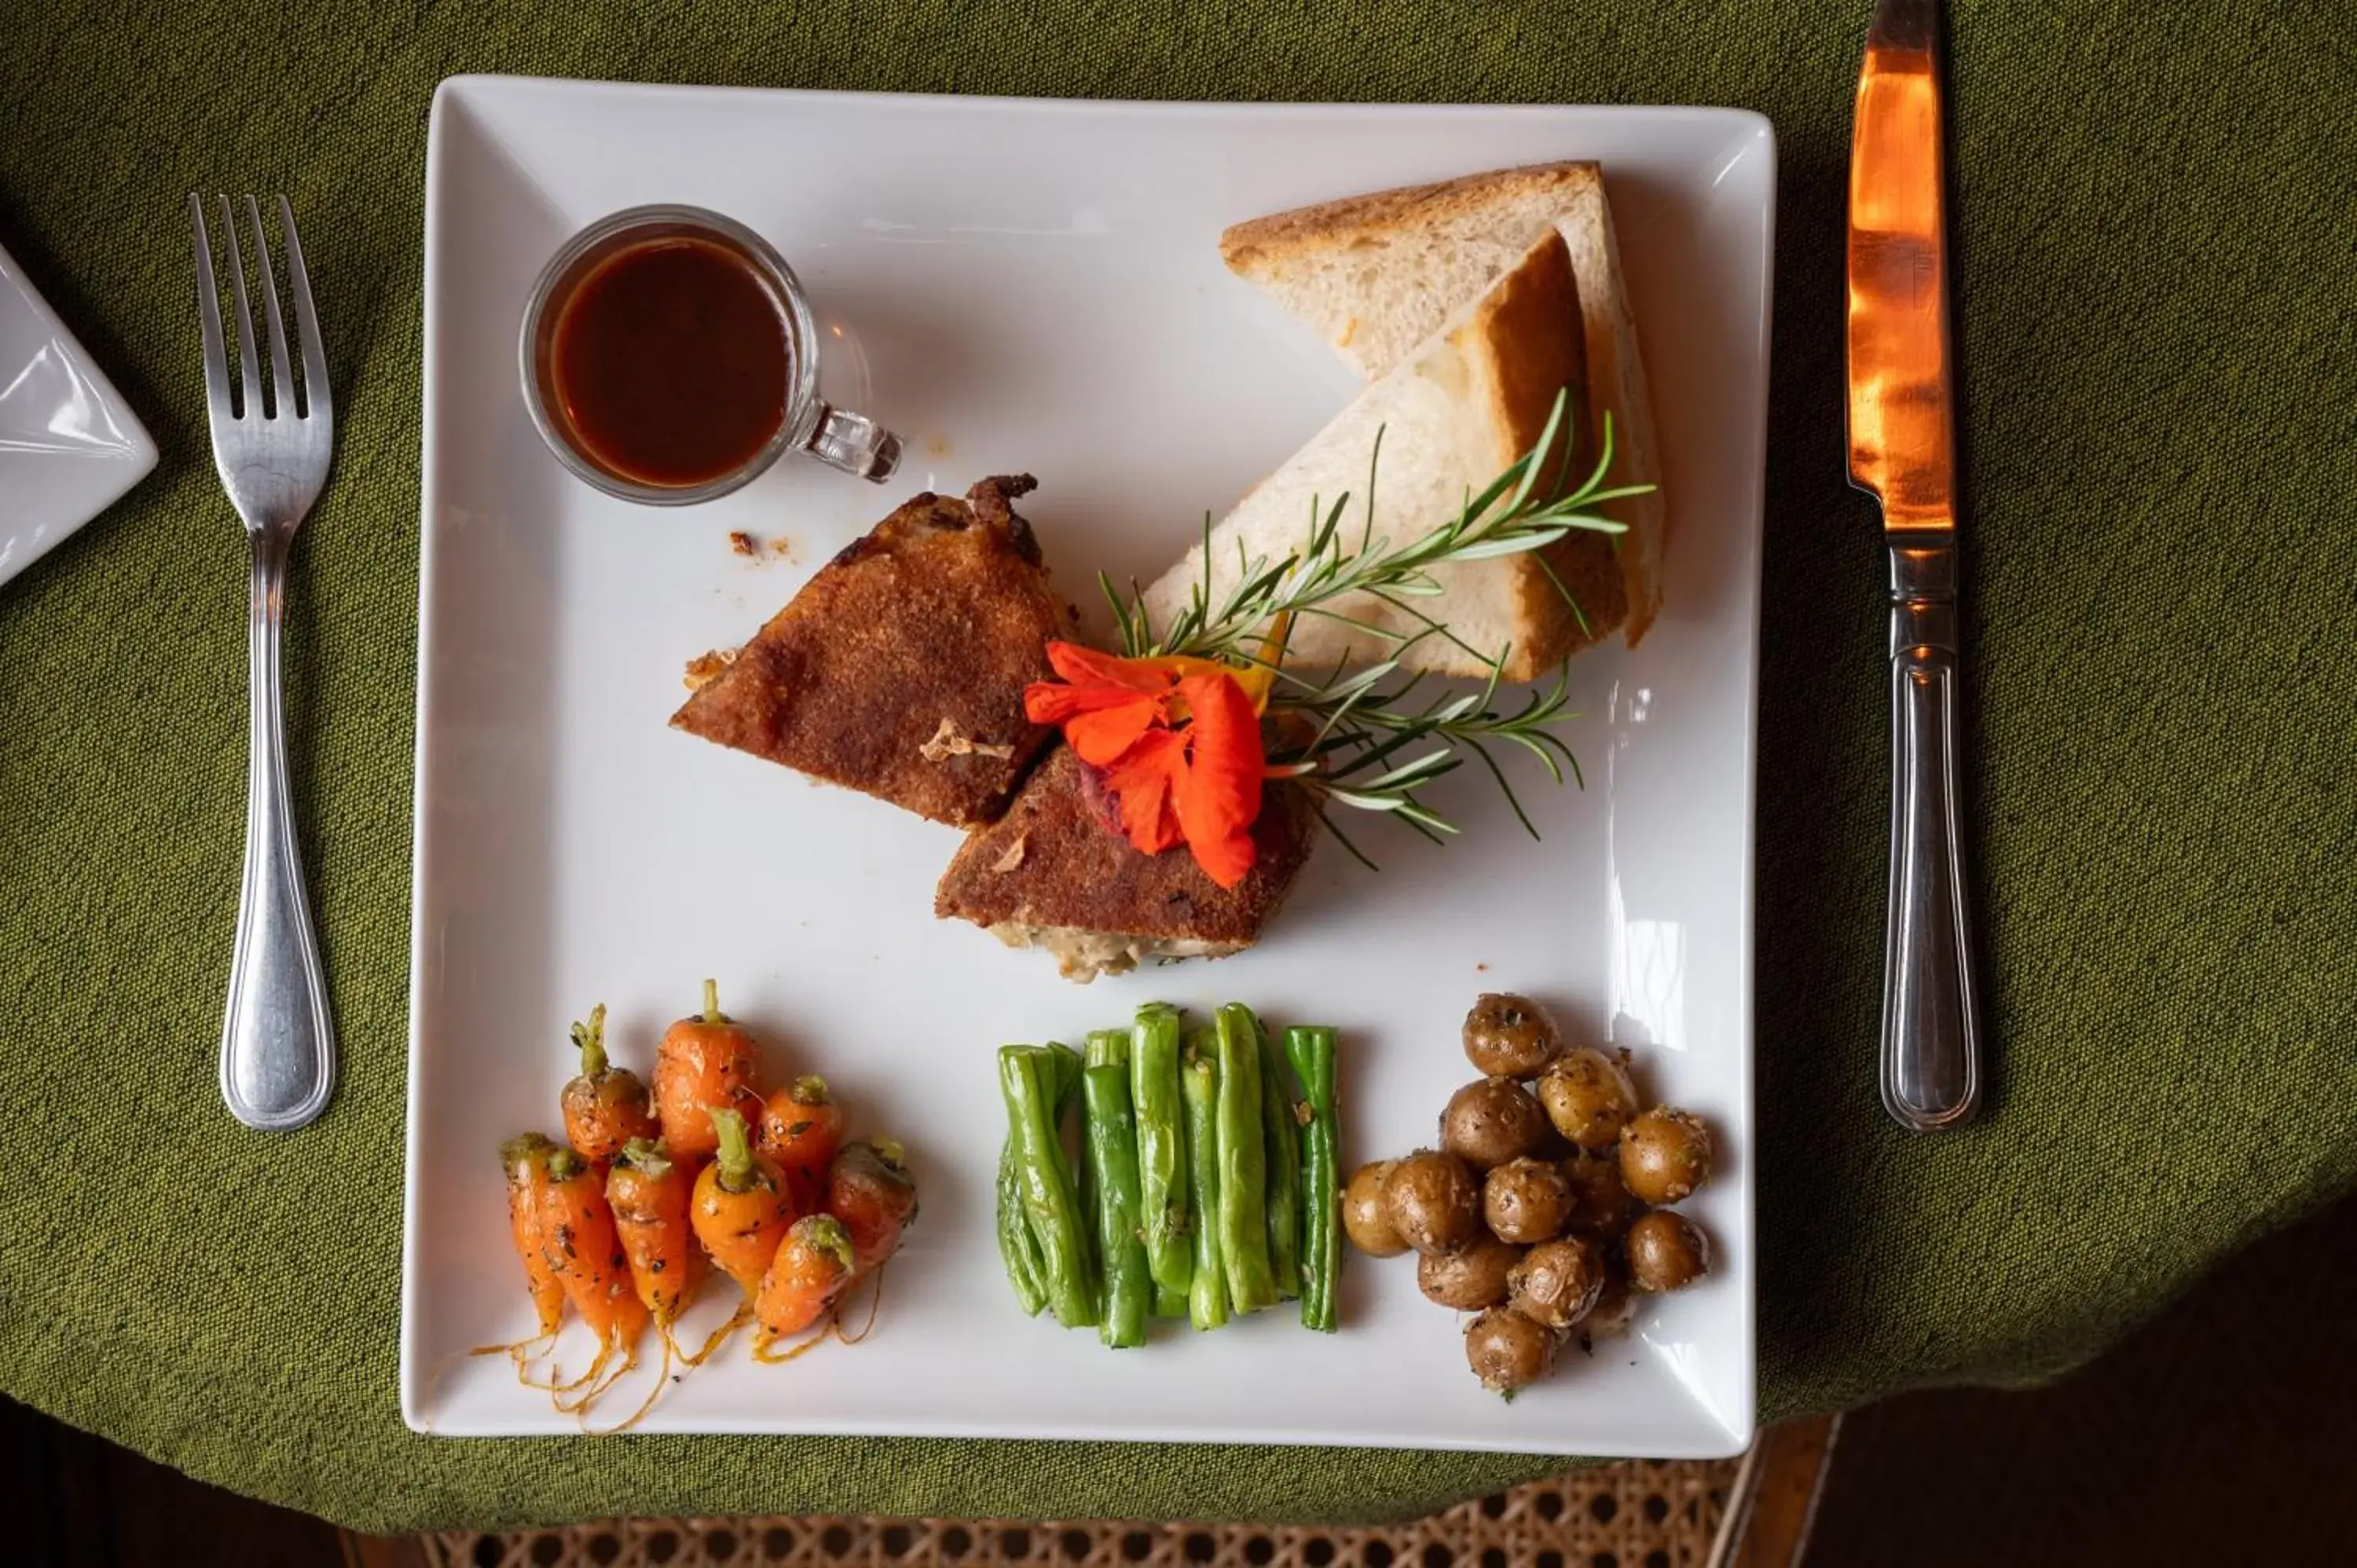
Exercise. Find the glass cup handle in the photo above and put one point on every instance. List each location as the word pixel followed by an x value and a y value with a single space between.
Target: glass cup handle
pixel 854 443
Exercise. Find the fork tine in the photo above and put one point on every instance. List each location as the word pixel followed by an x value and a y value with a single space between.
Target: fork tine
pixel 208 320
pixel 318 401
pixel 281 379
pixel 248 363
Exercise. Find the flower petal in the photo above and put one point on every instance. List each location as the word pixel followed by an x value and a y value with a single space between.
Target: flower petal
pixel 1101 737
pixel 1052 702
pixel 1087 667
pixel 1218 796
pixel 1145 780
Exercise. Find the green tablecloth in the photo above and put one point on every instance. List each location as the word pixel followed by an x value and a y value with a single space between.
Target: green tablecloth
pixel 2159 325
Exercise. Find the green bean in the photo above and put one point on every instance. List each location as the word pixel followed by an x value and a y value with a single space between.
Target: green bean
pixel 1161 1110
pixel 1067 1064
pixel 1026 1081
pixel 1113 1156
pixel 1243 1164
pixel 1281 1142
pixel 1207 1289
pixel 1312 1053
pixel 1015 1243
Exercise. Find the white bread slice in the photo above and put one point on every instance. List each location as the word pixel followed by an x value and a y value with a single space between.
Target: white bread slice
pixel 1375 274
pixel 1453 415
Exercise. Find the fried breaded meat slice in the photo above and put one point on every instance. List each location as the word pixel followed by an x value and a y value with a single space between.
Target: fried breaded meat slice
pixel 1056 873
pixel 898 669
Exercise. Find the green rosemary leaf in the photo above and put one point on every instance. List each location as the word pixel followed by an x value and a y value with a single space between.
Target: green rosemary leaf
pixel 1367 802
pixel 1538 449
pixel 1504 788
pixel 1516 545
pixel 1537 748
pixel 1426 820
pixel 1344 840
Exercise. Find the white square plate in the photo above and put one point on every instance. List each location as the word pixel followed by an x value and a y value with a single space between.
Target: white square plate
pixel 1036 287
pixel 69 445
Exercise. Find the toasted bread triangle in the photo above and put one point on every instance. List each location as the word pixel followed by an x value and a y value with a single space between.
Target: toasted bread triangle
pixel 1451 417
pixel 1375 274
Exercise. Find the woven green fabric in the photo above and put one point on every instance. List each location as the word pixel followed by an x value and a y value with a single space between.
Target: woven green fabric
pixel 2156 331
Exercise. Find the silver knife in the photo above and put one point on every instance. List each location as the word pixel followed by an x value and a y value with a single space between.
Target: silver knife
pixel 1903 450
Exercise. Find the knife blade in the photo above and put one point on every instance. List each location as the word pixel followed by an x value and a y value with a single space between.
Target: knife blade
pixel 1902 451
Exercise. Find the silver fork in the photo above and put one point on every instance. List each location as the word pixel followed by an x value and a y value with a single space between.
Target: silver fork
pixel 273 447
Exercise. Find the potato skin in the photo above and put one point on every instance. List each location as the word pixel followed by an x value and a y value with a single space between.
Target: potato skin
pixel 1527 1201
pixel 1616 1304
pixel 1492 1121
pixel 1507 1036
pixel 1470 1280
pixel 1365 1219
pixel 1666 1252
pixel 1664 1155
pixel 1588 1098
pixel 1434 1201
pixel 1508 1351
pixel 1601 1205
pixel 1558 1282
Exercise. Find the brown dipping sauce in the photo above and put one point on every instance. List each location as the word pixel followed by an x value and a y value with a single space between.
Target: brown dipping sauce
pixel 669 363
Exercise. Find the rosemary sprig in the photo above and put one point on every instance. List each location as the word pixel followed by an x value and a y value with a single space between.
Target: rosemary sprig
pixel 1367 738
pixel 1510 516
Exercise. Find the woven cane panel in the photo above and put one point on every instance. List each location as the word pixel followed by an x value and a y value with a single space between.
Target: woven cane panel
pixel 1642 1514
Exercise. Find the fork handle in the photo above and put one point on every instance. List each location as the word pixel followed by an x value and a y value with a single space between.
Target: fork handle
pixel 278 1046
pixel 1930 1015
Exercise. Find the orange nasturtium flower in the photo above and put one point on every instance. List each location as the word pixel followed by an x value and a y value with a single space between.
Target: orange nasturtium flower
pixel 1177 741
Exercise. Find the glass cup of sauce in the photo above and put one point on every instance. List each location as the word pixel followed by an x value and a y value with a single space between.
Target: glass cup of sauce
pixel 669 357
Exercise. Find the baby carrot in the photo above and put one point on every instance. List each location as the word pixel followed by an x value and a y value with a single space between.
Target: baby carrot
pixel 649 1193
pixel 606 1106
pixel 802 1129
pixel 869 1189
pixel 743 1206
pixel 525 1161
pixel 707 1063
pixel 811 1271
pixel 579 1239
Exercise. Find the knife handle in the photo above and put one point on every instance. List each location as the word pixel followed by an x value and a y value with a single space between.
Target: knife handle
pixel 1930 1024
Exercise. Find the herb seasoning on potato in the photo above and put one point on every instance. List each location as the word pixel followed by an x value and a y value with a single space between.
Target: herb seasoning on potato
pixel 1588 1097
pixel 1508 1351
pixel 1434 1202
pixel 1664 1155
pixel 1364 1216
pixel 1666 1252
pixel 1558 1282
pixel 1470 1280
pixel 1527 1200
pixel 1491 1122
pixel 1507 1035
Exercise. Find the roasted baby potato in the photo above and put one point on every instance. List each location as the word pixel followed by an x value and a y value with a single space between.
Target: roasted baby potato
pixel 1508 1351
pixel 1588 1097
pixel 1526 1201
pixel 1434 1201
pixel 1507 1035
pixel 1365 1219
pixel 1558 1282
pixel 1470 1280
pixel 1666 1252
pixel 1664 1155
pixel 1491 1122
